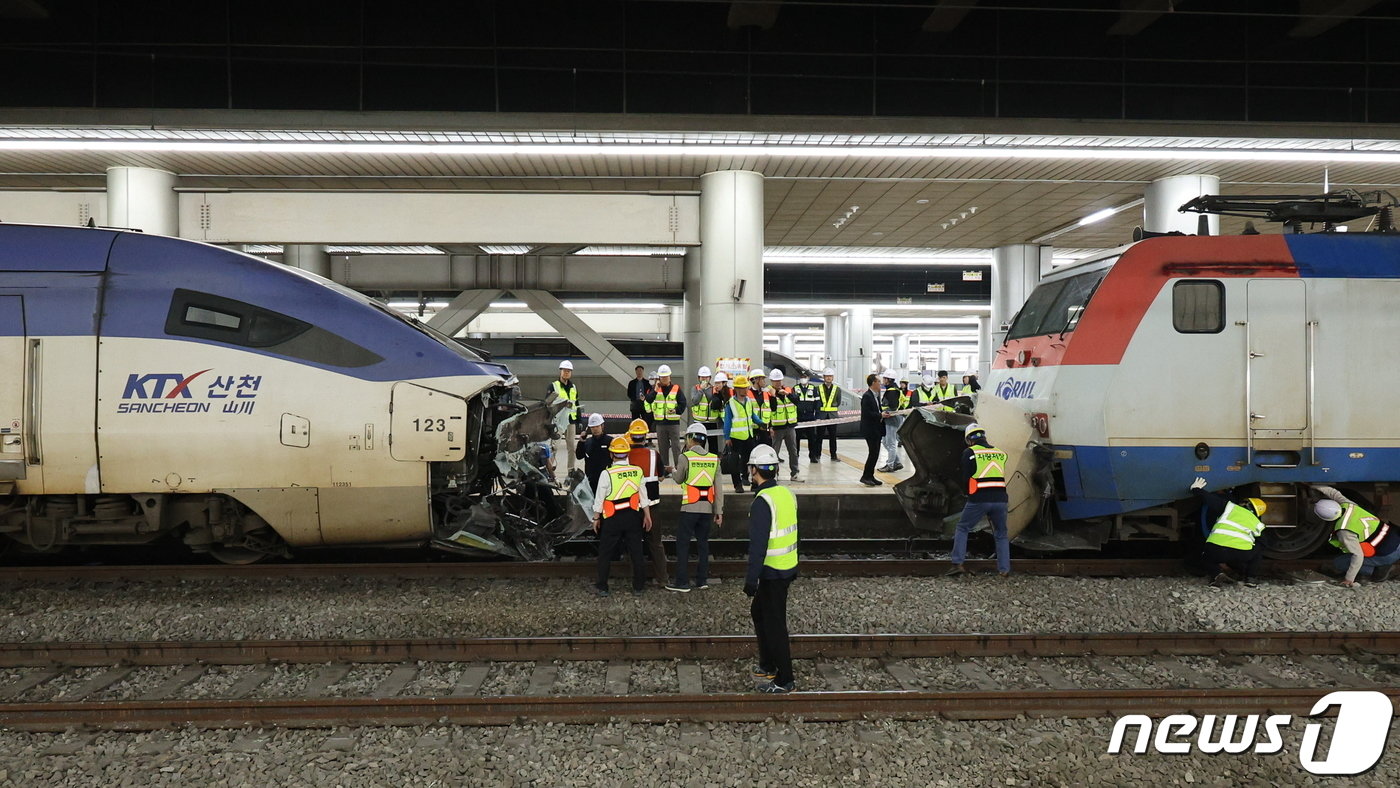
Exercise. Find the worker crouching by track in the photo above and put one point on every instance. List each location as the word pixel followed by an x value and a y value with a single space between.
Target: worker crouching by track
pixel 1233 541
pixel 621 513
pixel 772 568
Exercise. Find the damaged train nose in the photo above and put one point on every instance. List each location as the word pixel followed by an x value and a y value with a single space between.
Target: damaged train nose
pixel 505 503
pixel 934 496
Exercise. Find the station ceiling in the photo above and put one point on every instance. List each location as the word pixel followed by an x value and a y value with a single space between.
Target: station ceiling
pixel 924 190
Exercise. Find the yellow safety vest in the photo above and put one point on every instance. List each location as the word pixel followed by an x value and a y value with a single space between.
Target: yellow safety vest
pixel 782 528
pixel 1362 523
pixel 664 406
pixel 741 410
pixel 904 399
pixel 924 396
pixel 1237 527
pixel 701 470
pixel 944 392
pixel 785 413
pixel 626 492
pixel 764 399
pixel 990 470
pixel 831 397
pixel 700 404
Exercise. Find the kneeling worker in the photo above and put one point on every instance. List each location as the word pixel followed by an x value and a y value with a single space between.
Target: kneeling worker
pixel 1373 543
pixel 1232 543
pixel 621 512
pixel 772 567
pixel 702 505
pixel 985 469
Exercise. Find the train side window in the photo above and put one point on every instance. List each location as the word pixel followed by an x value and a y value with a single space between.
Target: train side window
pixel 1198 307
pixel 207 316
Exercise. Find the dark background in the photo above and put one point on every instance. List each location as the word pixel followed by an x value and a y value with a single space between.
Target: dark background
pixel 1208 60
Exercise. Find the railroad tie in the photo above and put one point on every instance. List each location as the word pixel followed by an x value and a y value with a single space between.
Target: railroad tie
pixel 1183 674
pixel 835 680
pixel 324 679
pixel 688 677
pixel 902 673
pixel 30 680
pixel 1120 676
pixel 470 680
pixel 542 679
pixel 249 684
pixel 618 678
pixel 100 682
pixel 1334 672
pixel 979 677
pixel 1052 676
pixel 1256 671
pixel 187 676
pixel 397 679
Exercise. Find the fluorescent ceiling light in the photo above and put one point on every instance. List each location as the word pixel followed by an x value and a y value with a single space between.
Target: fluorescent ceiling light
pixel 507 249
pixel 966 309
pixel 353 249
pixel 631 251
pixel 1098 216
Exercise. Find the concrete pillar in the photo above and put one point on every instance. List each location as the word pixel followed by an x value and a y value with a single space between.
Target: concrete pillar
pixel 985 349
pixel 1015 273
pixel 731 266
pixel 1165 195
pixel 677 329
pixel 901 351
pixel 787 345
pixel 945 360
pixel 143 199
pixel 860 355
pixel 835 345
pixel 690 310
pixel 311 258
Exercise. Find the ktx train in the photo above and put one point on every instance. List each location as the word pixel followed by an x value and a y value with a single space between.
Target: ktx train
pixel 1261 362
pixel 154 387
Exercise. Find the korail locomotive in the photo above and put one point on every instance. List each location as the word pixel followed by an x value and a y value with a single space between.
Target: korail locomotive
pixel 154 387
pixel 1262 362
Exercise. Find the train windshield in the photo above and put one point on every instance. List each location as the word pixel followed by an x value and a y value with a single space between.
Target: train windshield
pixel 1055 307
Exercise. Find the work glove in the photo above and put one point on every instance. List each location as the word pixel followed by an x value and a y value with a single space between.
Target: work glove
pixel 751 589
pixel 1199 483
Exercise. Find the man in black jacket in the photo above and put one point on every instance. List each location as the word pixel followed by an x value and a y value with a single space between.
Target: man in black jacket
pixel 637 389
pixel 872 428
pixel 593 450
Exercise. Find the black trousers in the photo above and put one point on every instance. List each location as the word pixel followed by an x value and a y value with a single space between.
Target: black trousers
pixel 742 448
pixel 1246 562
pixel 817 434
pixel 872 446
pixel 625 528
pixel 693 525
pixel 769 611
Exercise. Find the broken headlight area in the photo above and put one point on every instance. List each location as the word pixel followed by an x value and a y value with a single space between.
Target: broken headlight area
pixel 512 507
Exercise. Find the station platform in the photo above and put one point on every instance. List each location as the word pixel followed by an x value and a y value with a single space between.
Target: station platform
pixel 831 501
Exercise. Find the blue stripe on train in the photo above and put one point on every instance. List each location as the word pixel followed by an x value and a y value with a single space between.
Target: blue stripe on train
pixel 1107 480
pixel 1346 255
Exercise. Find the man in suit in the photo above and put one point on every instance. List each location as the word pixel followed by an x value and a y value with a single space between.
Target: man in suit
pixel 872 428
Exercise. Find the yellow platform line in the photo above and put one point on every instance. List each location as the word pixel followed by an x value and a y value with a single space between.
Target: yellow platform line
pixel 887 478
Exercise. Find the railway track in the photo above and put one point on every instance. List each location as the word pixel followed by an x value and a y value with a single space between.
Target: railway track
pixel 491 681
pixel 816 567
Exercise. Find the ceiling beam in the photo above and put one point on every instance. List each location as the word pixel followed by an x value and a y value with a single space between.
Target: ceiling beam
pixel 948 14
pixel 1137 15
pixel 1319 16
pixel 761 14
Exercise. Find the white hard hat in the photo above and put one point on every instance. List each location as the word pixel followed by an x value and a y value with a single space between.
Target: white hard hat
pixel 763 455
pixel 566 364
pixel 777 376
pixel 887 374
pixel 973 429
pixel 757 373
pixel 1327 510
pixel 720 377
pixel 595 420
pixel 928 378
pixel 704 372
pixel 904 376
pixel 697 429
pixel 664 370
pixel 828 371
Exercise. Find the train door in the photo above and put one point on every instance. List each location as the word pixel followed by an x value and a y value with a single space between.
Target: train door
pixel 13 375
pixel 1276 376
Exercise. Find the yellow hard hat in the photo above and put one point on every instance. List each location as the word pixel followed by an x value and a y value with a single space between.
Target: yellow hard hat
pixel 741 382
pixel 1259 506
pixel 637 427
pixel 619 445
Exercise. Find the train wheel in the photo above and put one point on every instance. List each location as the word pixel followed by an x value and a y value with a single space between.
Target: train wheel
pixel 1288 543
pixel 225 554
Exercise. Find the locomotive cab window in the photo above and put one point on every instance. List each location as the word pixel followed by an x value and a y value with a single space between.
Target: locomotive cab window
pixel 1055 307
pixel 1198 307
pixel 207 316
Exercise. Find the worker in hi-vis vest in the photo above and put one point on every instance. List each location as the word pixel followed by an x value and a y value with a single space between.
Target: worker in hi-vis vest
pixel 985 468
pixel 772 568
pixel 1371 544
pixel 702 507
pixel 1232 543
pixel 621 512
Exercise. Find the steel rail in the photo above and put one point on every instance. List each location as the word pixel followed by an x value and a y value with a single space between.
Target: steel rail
pixel 506 710
pixel 232 652
pixel 820 567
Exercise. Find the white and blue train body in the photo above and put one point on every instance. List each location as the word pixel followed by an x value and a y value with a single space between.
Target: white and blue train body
pixel 1258 362
pixel 154 386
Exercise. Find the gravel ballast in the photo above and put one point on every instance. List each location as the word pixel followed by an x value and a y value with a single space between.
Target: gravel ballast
pixel 388 608
pixel 775 753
